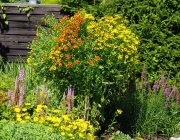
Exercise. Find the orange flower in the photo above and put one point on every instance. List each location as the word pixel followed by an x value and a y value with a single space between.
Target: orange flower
pixel 97 58
pixel 66 49
pixel 69 65
pixel 43 54
pixel 76 62
pixel 68 56
pixel 58 61
pixel 74 46
pixel 90 62
pixel 60 64
pixel 42 61
pixel 79 41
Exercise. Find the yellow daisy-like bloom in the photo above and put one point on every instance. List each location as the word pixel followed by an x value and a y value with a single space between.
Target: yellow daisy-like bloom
pixel 119 111
pixel 27 117
pixel 62 133
pixel 56 111
pixel 17 109
pixel 24 109
pixel 35 119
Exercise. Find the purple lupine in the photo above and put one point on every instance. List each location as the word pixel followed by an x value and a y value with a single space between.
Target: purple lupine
pixel 166 105
pixel 20 100
pixel 155 86
pixel 167 91
pixel 21 74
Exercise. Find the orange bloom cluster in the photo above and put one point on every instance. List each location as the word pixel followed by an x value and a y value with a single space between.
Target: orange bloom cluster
pixel 67 41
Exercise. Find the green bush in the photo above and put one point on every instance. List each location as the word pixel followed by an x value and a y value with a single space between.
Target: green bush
pixel 29 131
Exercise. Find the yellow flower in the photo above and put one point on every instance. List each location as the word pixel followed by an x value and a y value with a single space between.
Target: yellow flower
pixel 120 56
pixel 18 119
pixel 27 104
pixel 81 135
pixel 27 117
pixel 17 109
pixel 62 133
pixel 70 135
pixel 24 109
pixel 35 119
pixel 119 111
pixel 56 111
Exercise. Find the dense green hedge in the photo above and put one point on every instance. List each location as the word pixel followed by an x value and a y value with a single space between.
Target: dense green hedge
pixel 156 22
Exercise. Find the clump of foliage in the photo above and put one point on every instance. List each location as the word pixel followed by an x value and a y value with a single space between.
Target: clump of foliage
pixel 51 1
pixel 158 107
pixel 120 136
pixel 11 130
pixel 95 57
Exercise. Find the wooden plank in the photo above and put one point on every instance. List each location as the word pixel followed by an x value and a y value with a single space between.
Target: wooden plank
pixel 16 58
pixel 17 46
pixel 33 5
pixel 17 39
pixel 17 18
pixel 16 52
pixel 21 32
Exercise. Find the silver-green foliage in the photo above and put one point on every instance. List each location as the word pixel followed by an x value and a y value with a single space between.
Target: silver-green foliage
pixel 26 131
pixel 120 136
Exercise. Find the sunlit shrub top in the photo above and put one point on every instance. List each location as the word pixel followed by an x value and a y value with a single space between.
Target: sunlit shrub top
pixel 76 50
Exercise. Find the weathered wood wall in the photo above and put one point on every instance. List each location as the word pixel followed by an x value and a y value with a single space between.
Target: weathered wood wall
pixel 21 29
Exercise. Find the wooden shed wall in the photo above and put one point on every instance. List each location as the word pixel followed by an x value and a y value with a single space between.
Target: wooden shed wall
pixel 21 30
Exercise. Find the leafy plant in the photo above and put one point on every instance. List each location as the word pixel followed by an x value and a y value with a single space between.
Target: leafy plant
pixel 120 136
pixel 10 130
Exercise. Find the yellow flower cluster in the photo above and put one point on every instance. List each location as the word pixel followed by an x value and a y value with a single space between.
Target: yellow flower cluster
pixel 110 33
pixel 66 124
pixel 21 114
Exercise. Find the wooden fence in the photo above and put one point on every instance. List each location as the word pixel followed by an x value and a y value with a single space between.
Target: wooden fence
pixel 21 28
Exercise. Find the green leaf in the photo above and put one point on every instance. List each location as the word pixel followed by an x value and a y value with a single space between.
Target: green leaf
pixel 6 22
pixel 28 14
pixel 4 16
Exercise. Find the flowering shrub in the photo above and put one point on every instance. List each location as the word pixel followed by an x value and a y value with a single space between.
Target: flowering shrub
pixel 94 57
pixel 77 50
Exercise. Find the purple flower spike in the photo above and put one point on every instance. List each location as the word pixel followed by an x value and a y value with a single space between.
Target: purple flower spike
pixel 174 89
pixel 20 100
pixel 16 83
pixel 43 89
pixel 163 81
pixel 69 107
pixel 166 105
pixel 12 96
pixel 9 93
pixel 22 89
pixel 69 91
pixel 9 103
pixel 21 74
pixel 167 91
pixel 156 86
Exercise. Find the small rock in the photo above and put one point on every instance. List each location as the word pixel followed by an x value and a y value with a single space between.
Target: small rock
pixel 172 138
